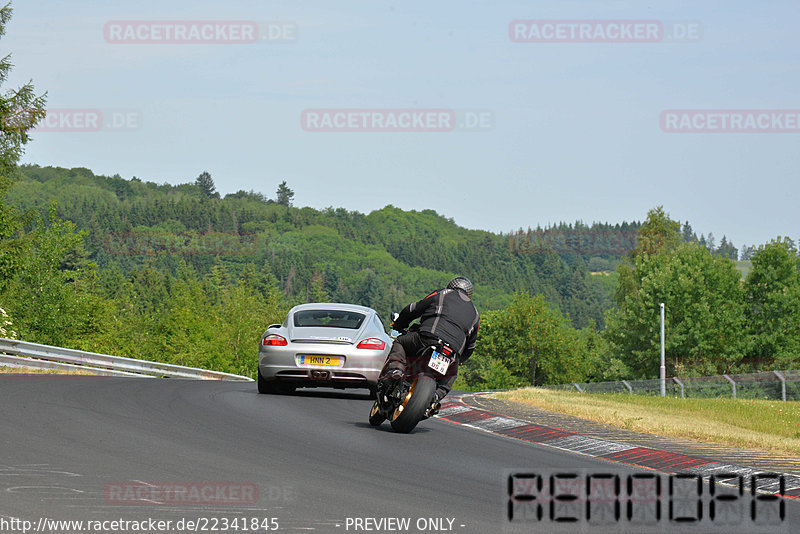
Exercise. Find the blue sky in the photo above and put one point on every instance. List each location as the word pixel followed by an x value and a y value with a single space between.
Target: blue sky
pixel 574 127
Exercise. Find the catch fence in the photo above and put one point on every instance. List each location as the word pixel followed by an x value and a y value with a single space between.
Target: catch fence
pixel 769 385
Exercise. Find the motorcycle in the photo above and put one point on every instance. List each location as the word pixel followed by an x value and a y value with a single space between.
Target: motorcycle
pixel 408 400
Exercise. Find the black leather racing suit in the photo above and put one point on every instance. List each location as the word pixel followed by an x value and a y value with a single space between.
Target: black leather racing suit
pixel 448 315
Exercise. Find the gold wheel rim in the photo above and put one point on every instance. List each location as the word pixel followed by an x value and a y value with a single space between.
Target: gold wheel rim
pixel 374 409
pixel 402 406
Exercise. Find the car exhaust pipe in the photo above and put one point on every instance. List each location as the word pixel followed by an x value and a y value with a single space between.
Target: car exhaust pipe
pixel 320 375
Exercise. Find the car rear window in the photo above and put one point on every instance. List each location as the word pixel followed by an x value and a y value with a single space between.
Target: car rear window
pixel 332 318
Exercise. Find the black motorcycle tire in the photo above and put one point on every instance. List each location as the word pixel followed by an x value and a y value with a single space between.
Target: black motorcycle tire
pixel 375 415
pixel 412 410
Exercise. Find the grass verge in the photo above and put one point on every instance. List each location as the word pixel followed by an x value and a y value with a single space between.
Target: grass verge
pixel 772 426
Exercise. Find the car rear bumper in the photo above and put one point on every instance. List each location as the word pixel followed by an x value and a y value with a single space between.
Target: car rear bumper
pixel 326 379
pixel 359 368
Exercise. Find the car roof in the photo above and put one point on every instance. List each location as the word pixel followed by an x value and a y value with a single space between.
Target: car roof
pixel 332 306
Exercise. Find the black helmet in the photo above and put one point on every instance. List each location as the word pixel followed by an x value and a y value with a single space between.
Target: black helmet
pixel 462 283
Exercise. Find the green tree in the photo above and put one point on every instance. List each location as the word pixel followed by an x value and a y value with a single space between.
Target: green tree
pixel 317 291
pixel 747 252
pixel 772 297
pixel 241 318
pixel 711 243
pixel 657 234
pixel 54 301
pixel 370 293
pixel 44 275
pixel 687 234
pixel 532 342
pixel 284 195
pixel 206 185
pixel 217 280
pixel 20 110
pixel 704 313
pixel 727 249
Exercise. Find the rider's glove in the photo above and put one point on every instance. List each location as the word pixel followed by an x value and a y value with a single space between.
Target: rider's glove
pixel 394 374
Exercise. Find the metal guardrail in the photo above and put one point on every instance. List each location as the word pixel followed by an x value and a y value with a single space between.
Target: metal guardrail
pixel 772 385
pixel 27 363
pixel 44 356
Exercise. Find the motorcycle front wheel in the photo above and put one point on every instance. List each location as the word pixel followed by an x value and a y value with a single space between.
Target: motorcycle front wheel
pixel 375 415
pixel 411 411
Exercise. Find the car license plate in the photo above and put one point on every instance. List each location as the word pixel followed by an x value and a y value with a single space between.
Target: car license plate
pixel 439 363
pixel 306 360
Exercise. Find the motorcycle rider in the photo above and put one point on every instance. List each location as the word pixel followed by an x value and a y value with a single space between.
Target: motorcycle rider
pixel 447 315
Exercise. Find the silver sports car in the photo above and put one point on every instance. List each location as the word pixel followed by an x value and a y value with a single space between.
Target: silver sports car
pixel 323 345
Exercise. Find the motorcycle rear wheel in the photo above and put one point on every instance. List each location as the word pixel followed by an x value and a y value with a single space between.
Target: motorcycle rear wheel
pixel 412 409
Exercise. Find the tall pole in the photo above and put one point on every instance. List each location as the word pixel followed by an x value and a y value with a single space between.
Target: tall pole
pixel 663 373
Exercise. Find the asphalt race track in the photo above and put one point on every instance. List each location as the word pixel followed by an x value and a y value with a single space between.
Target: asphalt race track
pixel 104 449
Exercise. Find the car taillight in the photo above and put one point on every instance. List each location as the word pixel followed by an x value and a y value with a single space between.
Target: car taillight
pixel 274 339
pixel 372 343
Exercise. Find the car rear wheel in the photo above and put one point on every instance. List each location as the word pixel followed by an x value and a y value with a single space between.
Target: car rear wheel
pixel 273 387
pixel 263 385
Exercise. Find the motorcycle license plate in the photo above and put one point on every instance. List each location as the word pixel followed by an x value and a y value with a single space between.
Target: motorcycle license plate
pixel 439 362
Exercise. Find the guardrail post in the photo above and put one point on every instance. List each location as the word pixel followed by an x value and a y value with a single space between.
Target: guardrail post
pixel 630 389
pixel 732 384
pixel 675 378
pixel 662 374
pixel 783 385
pixel 577 387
